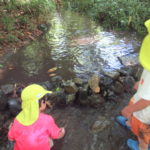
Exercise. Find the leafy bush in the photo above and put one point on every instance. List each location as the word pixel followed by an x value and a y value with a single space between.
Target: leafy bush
pixel 23 20
pixel 8 22
pixel 11 38
pixel 120 14
pixel 33 7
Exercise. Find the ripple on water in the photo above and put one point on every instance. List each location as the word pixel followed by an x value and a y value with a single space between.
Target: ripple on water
pixel 74 44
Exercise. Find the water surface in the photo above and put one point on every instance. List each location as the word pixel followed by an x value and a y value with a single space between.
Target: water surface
pixel 76 45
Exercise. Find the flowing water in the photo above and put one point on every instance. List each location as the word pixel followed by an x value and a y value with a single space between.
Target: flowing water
pixel 77 47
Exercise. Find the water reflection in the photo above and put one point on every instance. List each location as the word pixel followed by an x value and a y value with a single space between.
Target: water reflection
pixel 81 46
pixel 74 44
pixel 32 60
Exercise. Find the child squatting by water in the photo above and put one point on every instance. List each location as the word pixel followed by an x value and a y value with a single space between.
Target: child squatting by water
pixel 136 116
pixel 32 129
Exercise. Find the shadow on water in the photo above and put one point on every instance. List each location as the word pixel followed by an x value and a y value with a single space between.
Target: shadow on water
pixel 76 45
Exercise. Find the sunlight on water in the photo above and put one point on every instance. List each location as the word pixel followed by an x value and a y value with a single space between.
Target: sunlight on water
pixel 74 44
pixel 82 43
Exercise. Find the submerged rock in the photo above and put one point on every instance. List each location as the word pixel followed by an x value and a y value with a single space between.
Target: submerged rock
pixel 113 74
pixel 43 27
pixel 14 106
pixel 130 60
pixel 82 96
pixel 70 87
pixel 47 85
pixel 78 81
pixel 70 98
pixel 95 100
pixel 101 124
pixel 94 83
pixel 129 83
pixel 117 88
pixel 7 89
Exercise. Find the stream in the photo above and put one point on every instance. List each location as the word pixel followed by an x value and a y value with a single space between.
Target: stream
pixel 76 47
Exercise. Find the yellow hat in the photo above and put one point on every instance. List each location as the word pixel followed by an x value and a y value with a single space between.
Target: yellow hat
pixel 145 49
pixel 30 104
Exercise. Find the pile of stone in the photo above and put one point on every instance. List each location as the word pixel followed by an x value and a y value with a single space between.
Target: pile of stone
pixel 110 86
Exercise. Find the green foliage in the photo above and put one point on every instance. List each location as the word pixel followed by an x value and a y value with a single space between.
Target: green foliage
pixel 33 7
pixel 37 7
pixel 11 38
pixel 120 14
pixel 78 5
pixel 23 20
pixel 9 5
pixel 8 22
pixel 1 66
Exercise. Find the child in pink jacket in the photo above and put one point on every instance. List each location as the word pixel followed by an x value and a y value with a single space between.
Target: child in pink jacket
pixel 32 129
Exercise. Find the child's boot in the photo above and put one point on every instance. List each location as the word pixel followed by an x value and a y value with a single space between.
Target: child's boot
pixel 122 121
pixel 133 144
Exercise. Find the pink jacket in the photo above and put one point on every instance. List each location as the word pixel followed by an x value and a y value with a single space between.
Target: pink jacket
pixel 36 136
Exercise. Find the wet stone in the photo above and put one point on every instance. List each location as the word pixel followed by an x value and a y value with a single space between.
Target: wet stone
pixel 82 95
pixel 58 98
pixel 114 74
pixel 117 88
pixel 114 98
pixel 14 106
pixel 137 72
pixel 121 79
pixel 43 27
pixel 78 81
pixel 57 81
pixel 101 124
pixel 106 81
pixel 129 82
pixel 7 89
pixel 47 85
pixel 130 60
pixel 96 100
pixel 94 83
pixel 110 93
pixel 70 98
pixel 70 87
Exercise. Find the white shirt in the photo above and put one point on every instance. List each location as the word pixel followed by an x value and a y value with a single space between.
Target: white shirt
pixel 143 92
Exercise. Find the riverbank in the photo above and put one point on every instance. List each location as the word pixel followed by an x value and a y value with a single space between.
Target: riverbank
pixel 114 14
pixel 22 22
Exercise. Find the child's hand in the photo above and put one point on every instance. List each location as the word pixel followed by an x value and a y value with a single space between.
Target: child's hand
pixel 61 133
pixel 63 130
